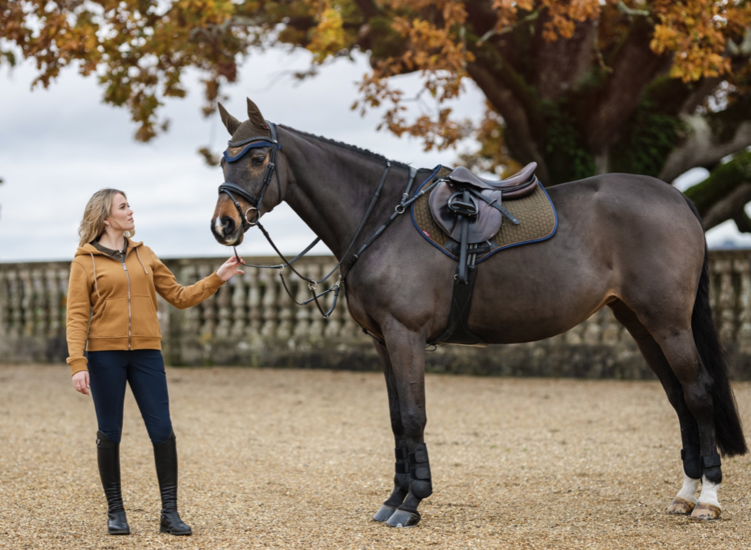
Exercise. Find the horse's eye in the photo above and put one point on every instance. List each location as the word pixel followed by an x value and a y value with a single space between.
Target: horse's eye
pixel 257 161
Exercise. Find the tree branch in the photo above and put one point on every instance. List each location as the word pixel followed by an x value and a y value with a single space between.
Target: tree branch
pixel 481 19
pixel 630 11
pixel 706 144
pixel 634 67
pixel 521 143
pixel 724 194
pixel 731 207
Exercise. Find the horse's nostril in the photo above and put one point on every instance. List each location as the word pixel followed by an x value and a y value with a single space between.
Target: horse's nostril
pixel 228 224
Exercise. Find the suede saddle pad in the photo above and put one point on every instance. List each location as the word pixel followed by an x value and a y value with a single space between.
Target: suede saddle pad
pixel 536 213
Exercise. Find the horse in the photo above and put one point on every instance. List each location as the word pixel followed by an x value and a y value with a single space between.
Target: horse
pixel 629 242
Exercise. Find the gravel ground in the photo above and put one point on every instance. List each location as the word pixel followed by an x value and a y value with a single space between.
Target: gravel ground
pixel 302 459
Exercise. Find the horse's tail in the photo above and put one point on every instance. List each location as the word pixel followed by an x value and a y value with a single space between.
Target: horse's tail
pixel 728 429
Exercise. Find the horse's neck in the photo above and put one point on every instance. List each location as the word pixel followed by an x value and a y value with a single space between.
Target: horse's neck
pixel 333 188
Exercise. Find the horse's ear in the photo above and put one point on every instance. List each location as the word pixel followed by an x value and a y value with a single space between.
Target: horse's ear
pixel 230 122
pixel 255 116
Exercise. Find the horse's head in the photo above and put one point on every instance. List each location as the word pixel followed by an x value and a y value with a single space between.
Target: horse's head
pixel 255 177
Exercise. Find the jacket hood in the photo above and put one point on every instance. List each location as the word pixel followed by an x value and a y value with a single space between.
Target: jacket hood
pixel 88 248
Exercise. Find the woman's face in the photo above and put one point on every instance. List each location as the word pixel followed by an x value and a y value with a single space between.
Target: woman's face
pixel 121 216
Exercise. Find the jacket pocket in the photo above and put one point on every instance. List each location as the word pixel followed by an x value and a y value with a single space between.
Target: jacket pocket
pixel 145 320
pixel 111 321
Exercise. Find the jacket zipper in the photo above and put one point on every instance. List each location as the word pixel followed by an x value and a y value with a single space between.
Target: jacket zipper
pixel 127 276
pixel 130 314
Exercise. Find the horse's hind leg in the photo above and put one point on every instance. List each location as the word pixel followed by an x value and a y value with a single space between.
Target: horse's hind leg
pixel 681 352
pixel 401 475
pixel 685 500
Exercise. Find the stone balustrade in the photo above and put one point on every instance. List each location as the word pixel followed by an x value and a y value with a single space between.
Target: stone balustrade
pixel 252 321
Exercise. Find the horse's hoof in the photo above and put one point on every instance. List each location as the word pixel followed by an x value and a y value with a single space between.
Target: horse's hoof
pixel 706 512
pixel 402 518
pixel 680 506
pixel 384 513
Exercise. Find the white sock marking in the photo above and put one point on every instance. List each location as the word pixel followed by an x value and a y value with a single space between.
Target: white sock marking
pixel 688 491
pixel 709 492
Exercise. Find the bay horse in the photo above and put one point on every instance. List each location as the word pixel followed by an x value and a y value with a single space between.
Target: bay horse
pixel 629 242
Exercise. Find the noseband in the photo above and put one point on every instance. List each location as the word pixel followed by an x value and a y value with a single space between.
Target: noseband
pixel 255 201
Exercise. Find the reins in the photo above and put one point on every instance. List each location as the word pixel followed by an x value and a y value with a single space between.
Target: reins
pixel 255 202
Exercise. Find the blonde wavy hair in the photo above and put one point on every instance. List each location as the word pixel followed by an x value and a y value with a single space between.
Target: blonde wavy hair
pixel 96 211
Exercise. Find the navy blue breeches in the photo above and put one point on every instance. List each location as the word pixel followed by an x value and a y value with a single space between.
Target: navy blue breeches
pixel 144 371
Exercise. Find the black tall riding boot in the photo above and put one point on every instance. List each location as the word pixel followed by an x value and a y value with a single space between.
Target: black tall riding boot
pixel 165 455
pixel 108 457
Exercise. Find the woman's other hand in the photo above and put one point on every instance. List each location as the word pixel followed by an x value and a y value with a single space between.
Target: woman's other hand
pixel 81 382
pixel 229 269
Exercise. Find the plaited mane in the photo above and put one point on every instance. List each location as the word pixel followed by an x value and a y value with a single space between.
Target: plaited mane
pixel 347 146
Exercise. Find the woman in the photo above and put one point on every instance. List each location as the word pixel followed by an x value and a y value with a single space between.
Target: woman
pixel 112 325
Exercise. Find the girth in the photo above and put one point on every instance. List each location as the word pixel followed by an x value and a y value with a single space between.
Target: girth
pixel 469 209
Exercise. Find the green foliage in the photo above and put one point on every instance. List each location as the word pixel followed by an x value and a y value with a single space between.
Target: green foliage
pixel 565 154
pixel 721 182
pixel 647 141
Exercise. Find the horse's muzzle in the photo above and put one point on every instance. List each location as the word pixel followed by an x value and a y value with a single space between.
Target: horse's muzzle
pixel 226 231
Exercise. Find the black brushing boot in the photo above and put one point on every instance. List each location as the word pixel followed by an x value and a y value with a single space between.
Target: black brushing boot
pixel 165 456
pixel 108 457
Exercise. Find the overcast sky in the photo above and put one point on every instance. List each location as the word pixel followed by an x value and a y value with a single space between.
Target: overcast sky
pixel 59 146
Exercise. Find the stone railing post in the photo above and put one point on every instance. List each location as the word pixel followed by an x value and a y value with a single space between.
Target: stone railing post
pixel 239 299
pixel 37 303
pixel 27 301
pixel 334 325
pixel 63 277
pixel 223 301
pixel 52 292
pixel 743 268
pixel 191 317
pixel 726 300
pixel 315 329
pixel 208 308
pixel 270 304
pixel 302 316
pixel 593 329
pixel 15 314
pixel 255 315
pixel 286 315
pixel 4 304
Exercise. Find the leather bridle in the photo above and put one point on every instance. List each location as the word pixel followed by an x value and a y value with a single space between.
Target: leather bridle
pixel 255 201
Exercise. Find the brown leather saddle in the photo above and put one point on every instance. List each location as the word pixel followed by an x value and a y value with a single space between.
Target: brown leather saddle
pixel 463 198
pixel 469 210
pixel 517 186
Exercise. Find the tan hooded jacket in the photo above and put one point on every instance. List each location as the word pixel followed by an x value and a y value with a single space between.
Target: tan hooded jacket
pixel 113 306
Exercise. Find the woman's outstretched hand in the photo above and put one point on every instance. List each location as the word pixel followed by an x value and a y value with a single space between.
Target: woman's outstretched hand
pixel 81 382
pixel 229 269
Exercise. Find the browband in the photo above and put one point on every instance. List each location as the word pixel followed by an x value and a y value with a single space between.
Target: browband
pixel 248 147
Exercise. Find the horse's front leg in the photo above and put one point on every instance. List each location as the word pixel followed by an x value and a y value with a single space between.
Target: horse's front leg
pixel 401 475
pixel 406 382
